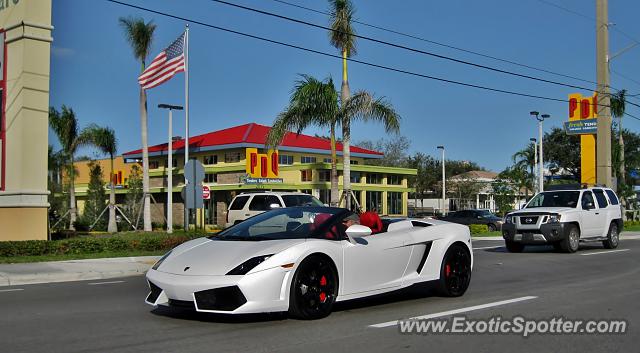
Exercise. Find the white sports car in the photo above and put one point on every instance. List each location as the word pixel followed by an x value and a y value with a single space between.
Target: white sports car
pixel 303 259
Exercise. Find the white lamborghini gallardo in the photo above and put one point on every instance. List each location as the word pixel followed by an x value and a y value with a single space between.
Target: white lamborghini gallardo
pixel 304 259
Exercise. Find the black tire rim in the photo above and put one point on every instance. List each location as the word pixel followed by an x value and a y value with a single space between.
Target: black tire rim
pixel 457 270
pixel 613 235
pixel 315 287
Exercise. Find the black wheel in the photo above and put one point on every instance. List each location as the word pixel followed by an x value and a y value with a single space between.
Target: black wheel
pixel 314 289
pixel 512 246
pixel 491 227
pixel 571 242
pixel 455 272
pixel 613 237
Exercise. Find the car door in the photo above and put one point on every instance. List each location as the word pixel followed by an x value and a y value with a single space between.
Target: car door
pixel 590 216
pixel 602 214
pixel 375 262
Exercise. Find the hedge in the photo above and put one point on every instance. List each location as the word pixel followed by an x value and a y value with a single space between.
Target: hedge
pixel 90 245
pixel 631 223
pixel 478 228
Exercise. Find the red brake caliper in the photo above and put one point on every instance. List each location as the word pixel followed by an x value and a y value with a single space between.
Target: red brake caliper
pixel 323 282
pixel 447 270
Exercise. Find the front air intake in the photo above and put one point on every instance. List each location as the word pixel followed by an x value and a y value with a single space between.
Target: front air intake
pixel 220 299
pixel 154 293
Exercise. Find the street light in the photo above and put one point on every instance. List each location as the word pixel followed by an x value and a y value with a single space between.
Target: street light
pixel 535 160
pixel 170 166
pixel 443 186
pixel 540 118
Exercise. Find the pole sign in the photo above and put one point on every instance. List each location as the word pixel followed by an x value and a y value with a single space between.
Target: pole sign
pixel 581 127
pixel 192 191
pixel 262 168
pixel 583 118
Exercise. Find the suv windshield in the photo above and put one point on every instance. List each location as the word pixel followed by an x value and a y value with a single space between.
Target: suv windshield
pixel 300 200
pixel 555 199
pixel 285 223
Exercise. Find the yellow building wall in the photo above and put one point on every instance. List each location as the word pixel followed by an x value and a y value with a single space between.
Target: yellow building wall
pixel 23 200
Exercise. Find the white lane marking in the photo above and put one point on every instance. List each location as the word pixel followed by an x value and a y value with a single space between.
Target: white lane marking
pixel 487 247
pixel 98 283
pixel 455 311
pixel 11 290
pixel 604 252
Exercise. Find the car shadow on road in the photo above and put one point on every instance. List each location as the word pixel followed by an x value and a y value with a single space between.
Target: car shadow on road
pixel 192 315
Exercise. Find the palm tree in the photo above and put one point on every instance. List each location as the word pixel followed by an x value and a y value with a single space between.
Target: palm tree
pixel 65 125
pixel 617 110
pixel 315 102
pixel 140 35
pixel 342 37
pixel 526 159
pixel 105 139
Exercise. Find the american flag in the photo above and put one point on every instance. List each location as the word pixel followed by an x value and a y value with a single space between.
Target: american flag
pixel 168 63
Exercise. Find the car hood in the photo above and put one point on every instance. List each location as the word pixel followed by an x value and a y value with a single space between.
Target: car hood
pixel 210 257
pixel 538 210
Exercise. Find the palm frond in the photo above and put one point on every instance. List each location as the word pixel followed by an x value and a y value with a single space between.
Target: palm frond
pixel 618 103
pixel 104 138
pixel 342 34
pixel 364 106
pixel 139 35
pixel 65 125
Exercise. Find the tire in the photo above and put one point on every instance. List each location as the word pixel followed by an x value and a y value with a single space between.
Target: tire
pixel 491 227
pixel 571 242
pixel 512 246
pixel 455 272
pixel 314 289
pixel 613 237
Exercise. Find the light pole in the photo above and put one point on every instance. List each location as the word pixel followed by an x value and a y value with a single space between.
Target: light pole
pixel 535 162
pixel 443 186
pixel 540 118
pixel 170 166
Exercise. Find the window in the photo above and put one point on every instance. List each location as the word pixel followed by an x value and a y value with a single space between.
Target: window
pixel 324 175
pixel 239 203
pixel 374 201
pixel 602 201
pixel 263 202
pixel 353 162
pixel 325 196
pixel 394 202
pixel 555 199
pixel 154 165
pixel 355 177
pixel 210 159
pixel 285 159
pixel 232 157
pixel 307 159
pixel 587 198
pixel 306 175
pixel 327 160
pixel 175 163
pixel 612 197
pixel 300 200
pixel 393 179
pixel 210 178
pixel 373 178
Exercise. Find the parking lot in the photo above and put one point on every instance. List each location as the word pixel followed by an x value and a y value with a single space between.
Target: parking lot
pixel 110 315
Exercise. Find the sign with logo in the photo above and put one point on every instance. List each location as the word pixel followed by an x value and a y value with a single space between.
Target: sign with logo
pixel 580 127
pixel 583 114
pixel 261 167
pixel 206 193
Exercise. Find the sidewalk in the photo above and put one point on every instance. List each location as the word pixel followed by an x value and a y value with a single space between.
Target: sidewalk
pixel 74 270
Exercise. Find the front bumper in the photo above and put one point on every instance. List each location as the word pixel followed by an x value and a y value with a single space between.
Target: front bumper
pixel 263 291
pixel 547 233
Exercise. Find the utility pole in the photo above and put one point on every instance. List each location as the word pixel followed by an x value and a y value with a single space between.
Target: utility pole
pixel 535 164
pixel 171 108
pixel 603 138
pixel 444 193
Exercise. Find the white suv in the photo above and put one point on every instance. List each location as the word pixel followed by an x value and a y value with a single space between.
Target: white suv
pixel 565 218
pixel 248 205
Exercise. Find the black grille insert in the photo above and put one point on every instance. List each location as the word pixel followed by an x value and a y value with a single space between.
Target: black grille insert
pixel 182 304
pixel 528 220
pixel 222 299
pixel 423 260
pixel 154 293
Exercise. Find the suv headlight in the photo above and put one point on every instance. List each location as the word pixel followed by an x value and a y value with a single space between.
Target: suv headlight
pixel 248 265
pixel 508 219
pixel 554 218
pixel 164 257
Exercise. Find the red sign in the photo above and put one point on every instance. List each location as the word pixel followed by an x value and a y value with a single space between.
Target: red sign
pixel 206 193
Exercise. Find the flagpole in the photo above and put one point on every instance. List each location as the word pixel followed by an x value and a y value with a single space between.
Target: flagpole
pixel 186 117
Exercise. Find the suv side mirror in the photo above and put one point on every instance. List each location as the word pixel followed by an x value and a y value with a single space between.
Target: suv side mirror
pixel 588 206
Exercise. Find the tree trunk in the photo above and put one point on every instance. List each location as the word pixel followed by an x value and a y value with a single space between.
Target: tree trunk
pixel 335 197
pixel 145 161
pixel 113 226
pixel 346 135
pixel 73 212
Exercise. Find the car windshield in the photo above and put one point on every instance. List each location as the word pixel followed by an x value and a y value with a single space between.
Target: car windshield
pixel 285 223
pixel 555 199
pixel 300 200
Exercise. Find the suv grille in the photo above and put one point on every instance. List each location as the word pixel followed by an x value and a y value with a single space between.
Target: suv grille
pixel 528 220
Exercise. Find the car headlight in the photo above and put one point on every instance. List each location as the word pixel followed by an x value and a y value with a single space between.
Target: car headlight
pixel 508 219
pixel 164 257
pixel 248 265
pixel 554 218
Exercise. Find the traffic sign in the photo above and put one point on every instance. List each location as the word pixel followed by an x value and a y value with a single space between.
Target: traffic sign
pixel 192 191
pixel 206 193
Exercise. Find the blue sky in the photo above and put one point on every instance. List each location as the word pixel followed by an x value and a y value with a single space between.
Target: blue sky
pixel 236 80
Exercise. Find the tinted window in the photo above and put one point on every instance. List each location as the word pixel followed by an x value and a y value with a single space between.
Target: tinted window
pixel 239 203
pixel 300 200
pixel 587 197
pixel 262 202
pixel 555 199
pixel 612 197
pixel 602 201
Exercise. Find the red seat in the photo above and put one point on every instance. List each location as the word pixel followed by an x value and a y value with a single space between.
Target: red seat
pixel 371 220
pixel 318 220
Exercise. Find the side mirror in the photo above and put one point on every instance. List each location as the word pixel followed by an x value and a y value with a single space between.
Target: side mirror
pixel 357 231
pixel 274 205
pixel 588 206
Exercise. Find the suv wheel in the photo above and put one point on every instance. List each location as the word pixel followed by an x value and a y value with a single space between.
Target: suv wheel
pixel 571 242
pixel 513 246
pixel 613 237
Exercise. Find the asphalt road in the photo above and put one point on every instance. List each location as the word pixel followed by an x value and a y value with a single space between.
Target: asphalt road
pixel 110 316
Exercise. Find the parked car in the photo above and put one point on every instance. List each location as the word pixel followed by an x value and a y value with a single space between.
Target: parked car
pixel 248 205
pixel 467 217
pixel 564 218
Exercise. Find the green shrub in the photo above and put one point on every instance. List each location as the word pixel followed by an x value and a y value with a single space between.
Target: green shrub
pixel 150 244
pixel 631 223
pixel 115 244
pixel 478 228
